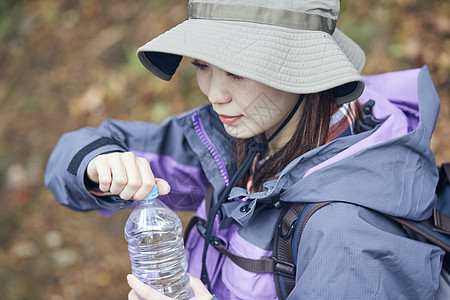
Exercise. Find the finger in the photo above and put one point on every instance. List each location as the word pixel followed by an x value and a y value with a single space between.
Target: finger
pixel 103 173
pixel 147 178
pixel 163 186
pixel 119 175
pixel 134 180
pixel 133 296
pixel 143 290
pixel 199 289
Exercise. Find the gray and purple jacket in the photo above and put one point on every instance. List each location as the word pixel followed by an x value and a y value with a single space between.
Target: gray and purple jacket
pixel 347 251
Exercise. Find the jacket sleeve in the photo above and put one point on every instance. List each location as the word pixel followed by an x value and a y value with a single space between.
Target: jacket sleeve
pixel 349 252
pixel 165 146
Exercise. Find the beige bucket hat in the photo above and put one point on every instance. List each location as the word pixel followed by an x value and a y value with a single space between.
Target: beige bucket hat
pixel 290 45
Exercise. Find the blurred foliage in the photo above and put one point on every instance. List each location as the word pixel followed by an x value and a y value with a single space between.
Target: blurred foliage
pixel 69 64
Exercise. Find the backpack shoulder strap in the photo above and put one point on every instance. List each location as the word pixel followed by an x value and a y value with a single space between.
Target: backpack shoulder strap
pixel 287 238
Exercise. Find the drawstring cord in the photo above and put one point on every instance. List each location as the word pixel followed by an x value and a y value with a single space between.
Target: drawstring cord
pixel 254 148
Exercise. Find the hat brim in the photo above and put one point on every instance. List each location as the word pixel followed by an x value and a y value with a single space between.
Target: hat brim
pixel 292 60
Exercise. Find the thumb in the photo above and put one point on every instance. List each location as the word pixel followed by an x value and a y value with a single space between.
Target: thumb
pixel 199 289
pixel 163 186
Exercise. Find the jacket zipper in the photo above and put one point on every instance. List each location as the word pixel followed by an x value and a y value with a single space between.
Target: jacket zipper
pixel 210 146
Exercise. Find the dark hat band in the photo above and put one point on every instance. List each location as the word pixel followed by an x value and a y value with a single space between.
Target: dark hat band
pixel 262 15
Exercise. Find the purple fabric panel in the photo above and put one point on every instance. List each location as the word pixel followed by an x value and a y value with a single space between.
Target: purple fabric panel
pixel 194 251
pixel 412 114
pixel 400 88
pixel 228 280
pixel 400 85
pixel 249 285
pixel 188 183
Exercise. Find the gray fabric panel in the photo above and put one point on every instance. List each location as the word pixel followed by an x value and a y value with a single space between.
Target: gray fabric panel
pixel 443 292
pixel 406 196
pixel 263 15
pixel 327 8
pixel 260 231
pixel 365 258
pixel 429 107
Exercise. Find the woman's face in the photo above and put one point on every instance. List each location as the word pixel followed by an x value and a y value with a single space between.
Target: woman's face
pixel 246 107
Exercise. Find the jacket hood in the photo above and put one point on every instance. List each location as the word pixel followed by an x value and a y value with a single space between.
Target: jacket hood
pixel 389 168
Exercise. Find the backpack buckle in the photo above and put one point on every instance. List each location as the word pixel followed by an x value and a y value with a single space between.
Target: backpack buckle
pixel 283 268
pixel 213 240
pixel 201 229
pixel 290 232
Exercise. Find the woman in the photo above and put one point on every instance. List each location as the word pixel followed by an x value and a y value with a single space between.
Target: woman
pixel 284 125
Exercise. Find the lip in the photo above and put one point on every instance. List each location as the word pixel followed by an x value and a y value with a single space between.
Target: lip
pixel 228 120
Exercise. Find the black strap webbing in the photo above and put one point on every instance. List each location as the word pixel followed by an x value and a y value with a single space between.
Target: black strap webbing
pixel 263 265
pixel 282 245
pixel 441 222
pixel 430 237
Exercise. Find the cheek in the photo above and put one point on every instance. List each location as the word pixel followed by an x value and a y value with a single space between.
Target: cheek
pixel 266 108
pixel 286 101
pixel 203 83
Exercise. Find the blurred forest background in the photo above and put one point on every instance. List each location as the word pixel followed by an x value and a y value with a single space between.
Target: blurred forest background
pixel 68 64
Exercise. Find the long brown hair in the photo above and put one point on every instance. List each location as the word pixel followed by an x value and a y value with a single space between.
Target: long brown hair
pixel 311 132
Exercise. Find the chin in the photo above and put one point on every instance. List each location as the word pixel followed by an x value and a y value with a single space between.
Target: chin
pixel 241 132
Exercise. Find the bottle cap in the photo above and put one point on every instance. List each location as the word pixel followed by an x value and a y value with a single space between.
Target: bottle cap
pixel 153 194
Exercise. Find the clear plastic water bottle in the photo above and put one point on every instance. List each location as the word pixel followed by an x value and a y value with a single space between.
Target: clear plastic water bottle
pixel 155 243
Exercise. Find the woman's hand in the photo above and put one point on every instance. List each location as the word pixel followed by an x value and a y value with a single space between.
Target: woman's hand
pixel 140 289
pixel 124 174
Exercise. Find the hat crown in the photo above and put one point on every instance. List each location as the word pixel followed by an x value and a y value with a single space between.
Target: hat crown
pixel 297 14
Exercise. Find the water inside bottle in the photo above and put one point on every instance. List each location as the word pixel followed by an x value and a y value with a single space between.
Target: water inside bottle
pixel 156 251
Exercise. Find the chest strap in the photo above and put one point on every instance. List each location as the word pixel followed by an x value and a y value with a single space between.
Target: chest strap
pixel 264 265
pixel 281 263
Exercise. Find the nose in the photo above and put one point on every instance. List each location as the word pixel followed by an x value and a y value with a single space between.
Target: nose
pixel 218 89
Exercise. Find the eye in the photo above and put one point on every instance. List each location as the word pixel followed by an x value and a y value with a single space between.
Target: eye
pixel 199 65
pixel 234 76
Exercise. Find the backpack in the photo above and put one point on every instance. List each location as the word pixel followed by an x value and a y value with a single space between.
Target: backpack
pixel 293 220
pixel 435 230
